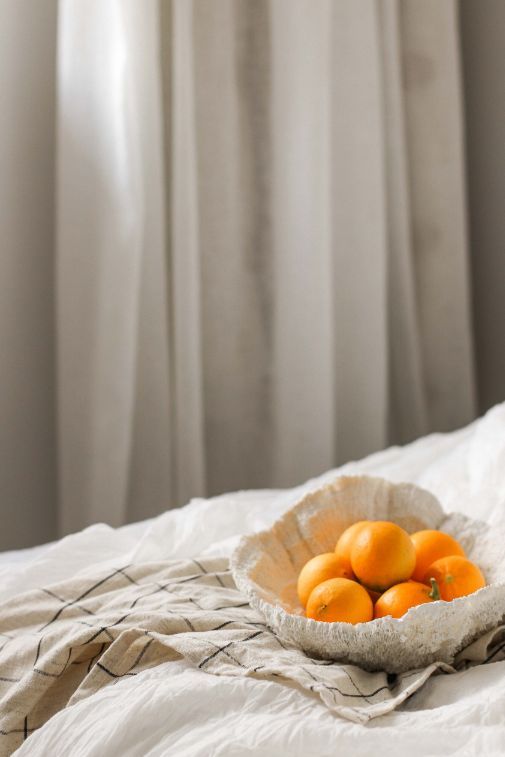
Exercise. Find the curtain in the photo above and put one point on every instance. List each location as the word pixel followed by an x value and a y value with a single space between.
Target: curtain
pixel 261 254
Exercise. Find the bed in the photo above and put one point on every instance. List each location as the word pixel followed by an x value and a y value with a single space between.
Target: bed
pixel 175 708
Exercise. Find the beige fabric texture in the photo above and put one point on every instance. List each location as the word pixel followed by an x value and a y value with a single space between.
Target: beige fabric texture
pixel 65 642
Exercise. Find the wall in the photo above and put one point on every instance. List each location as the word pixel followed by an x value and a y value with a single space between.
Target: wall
pixel 483 38
pixel 27 429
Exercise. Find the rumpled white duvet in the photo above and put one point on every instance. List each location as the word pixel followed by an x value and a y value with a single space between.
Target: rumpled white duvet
pixel 176 710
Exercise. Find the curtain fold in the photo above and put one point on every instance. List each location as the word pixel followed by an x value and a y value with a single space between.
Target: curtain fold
pixel 113 393
pixel 261 263
pixel 185 264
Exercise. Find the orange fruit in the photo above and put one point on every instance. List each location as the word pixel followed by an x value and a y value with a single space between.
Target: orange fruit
pixel 320 568
pixel 382 555
pixel 345 542
pixel 340 600
pixel 456 577
pixel 431 545
pixel 400 597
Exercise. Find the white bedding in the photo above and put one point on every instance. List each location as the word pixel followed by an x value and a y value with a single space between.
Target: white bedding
pixel 175 709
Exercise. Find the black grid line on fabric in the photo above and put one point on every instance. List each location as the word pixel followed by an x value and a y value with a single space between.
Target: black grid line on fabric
pixel 84 609
pixel 214 654
pixel 254 623
pixel 166 609
pixel 230 656
pixel 9 680
pixel 280 643
pixel 70 650
pixel 24 730
pixel 103 629
pixel 309 674
pixel 226 646
pixel 85 594
pixel 234 659
pixel 227 607
pixel 38 650
pixel 361 693
pixel 101 582
pixel 223 625
pixel 93 625
pixel 400 677
pixel 53 675
pixel 321 684
pixel 111 674
pixel 218 579
pixel 46 674
pixel 130 579
pixel 52 594
pixel 216 576
pixel 95 657
pixel 182 617
pixel 357 695
pixel 195 603
pixel 172 594
pixel 132 666
pixel 176 580
pixel 199 565
pixel 141 653
pixel 141 596
pixel 498 649
pixel 55 596
pixel 160 587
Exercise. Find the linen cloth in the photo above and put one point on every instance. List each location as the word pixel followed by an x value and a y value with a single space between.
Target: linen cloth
pixel 63 643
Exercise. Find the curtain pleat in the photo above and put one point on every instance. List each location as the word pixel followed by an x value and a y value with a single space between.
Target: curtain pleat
pixel 109 232
pixel 359 230
pixel 434 128
pixel 407 398
pixel 303 365
pixel 232 145
pixel 185 261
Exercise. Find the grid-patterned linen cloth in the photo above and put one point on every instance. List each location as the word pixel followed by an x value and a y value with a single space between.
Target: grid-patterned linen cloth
pixel 62 643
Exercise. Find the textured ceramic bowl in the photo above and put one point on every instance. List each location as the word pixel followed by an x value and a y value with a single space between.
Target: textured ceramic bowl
pixel 265 567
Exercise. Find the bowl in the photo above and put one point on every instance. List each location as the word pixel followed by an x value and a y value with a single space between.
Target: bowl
pixel 265 567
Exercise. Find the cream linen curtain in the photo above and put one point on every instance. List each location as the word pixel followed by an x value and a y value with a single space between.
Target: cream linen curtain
pixel 261 265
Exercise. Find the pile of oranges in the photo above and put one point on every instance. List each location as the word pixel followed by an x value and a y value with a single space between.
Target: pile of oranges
pixel 378 569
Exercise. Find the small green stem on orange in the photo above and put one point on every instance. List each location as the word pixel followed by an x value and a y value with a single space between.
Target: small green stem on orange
pixel 435 591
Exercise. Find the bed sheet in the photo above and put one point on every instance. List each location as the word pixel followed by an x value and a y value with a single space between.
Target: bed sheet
pixel 175 709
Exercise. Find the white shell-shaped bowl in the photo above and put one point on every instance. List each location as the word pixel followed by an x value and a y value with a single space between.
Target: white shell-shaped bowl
pixel 266 565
